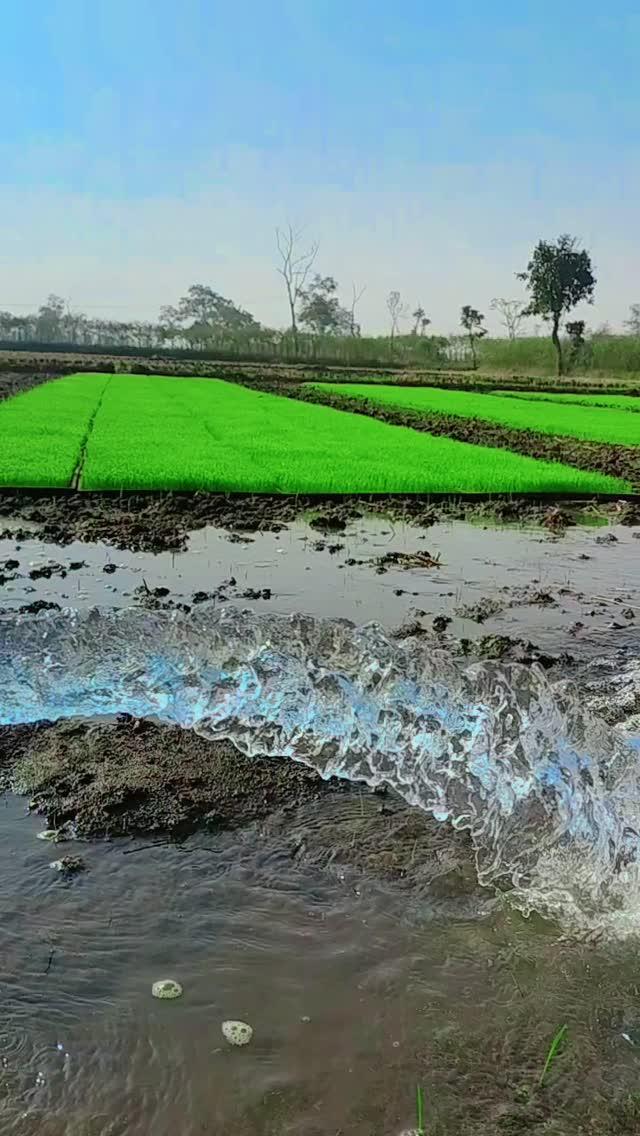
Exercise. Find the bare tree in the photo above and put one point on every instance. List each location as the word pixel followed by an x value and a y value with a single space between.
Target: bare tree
pixel 296 266
pixel 513 312
pixel 354 328
pixel 397 310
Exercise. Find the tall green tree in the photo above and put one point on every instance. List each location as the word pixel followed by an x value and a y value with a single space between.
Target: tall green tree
pixel 49 320
pixel 472 320
pixel 421 321
pixel 320 309
pixel 203 312
pixel 558 277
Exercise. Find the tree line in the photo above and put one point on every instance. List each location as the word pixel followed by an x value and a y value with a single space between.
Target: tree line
pixel 558 277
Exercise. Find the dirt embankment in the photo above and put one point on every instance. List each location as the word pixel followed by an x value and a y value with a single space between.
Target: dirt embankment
pixel 143 522
pixel 58 363
pixel 600 457
pixel 128 777
pixel 16 382
pixel 256 371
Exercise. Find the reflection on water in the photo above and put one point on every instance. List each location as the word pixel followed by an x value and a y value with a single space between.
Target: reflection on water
pixel 591 582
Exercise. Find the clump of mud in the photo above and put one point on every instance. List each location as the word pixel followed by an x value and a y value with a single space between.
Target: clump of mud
pixel 124 776
pixel 15 382
pixel 127 777
pixel 160 522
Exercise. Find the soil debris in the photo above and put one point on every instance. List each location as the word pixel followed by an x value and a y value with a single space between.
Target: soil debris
pixel 406 560
pixel 46 571
pixel 69 866
pixel 37 606
pixel 507 649
pixel 162 522
pixel 557 519
pixel 607 538
pixel 481 611
pixel 119 777
pixel 134 778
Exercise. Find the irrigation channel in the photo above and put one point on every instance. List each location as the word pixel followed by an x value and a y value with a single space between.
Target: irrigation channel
pixel 373 792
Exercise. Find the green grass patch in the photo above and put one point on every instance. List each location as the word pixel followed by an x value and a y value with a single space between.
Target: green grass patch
pixel 607 401
pixel 587 423
pixel 602 354
pixel 154 433
pixel 42 431
pixel 157 433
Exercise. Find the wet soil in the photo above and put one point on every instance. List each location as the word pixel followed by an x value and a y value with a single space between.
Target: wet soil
pixel 53 364
pixel 347 927
pixel 153 522
pixel 600 457
pixel 138 778
pixel 357 992
pixel 17 382
pixel 556 596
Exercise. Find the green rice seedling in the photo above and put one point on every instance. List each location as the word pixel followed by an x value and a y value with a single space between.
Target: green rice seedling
pixel 420 1125
pixel 618 427
pixel 607 401
pixel 155 433
pixel 42 431
pixel 553 1052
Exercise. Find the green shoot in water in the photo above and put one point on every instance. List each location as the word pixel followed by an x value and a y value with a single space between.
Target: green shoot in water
pixel 553 1052
pixel 420 1128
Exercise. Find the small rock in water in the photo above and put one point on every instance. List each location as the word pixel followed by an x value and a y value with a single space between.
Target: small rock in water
pixel 237 1033
pixel 68 865
pixel 166 988
pixel 52 834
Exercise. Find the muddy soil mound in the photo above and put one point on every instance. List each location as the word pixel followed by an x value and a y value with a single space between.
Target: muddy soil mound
pixel 157 522
pixel 130 777
pixel 15 382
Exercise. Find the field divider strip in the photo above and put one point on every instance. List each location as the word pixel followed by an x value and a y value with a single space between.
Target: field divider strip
pixel 577 400
pixel 82 454
pixel 592 457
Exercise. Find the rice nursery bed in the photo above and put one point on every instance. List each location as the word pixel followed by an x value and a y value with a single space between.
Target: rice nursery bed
pixel 584 422
pixel 609 401
pixel 111 432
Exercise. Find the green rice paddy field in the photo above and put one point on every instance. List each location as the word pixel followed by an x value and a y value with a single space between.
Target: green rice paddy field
pixel 612 401
pixel 109 432
pixel 593 422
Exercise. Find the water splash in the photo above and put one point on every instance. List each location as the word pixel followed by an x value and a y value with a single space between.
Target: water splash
pixel 547 790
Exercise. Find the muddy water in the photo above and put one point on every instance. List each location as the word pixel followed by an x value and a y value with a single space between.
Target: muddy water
pixel 354 992
pixel 588 577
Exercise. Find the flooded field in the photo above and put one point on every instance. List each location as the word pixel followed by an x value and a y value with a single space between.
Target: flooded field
pixel 355 994
pixel 577 593
pixel 346 926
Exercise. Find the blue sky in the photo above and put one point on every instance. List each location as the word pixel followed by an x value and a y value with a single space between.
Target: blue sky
pixel 146 145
